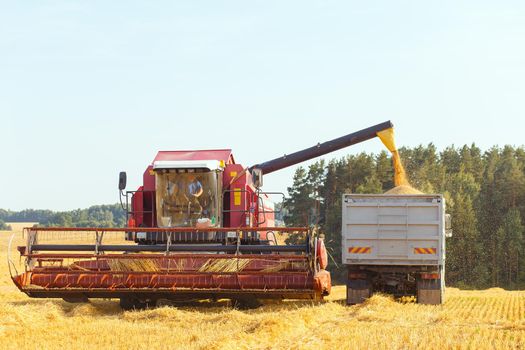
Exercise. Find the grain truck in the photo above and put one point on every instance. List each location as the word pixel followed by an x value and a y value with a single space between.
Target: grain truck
pixel 395 244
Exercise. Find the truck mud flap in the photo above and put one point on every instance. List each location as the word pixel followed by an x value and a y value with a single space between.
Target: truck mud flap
pixel 357 291
pixel 429 292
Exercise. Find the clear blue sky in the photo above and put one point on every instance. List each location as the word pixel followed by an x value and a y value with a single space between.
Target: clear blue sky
pixel 89 88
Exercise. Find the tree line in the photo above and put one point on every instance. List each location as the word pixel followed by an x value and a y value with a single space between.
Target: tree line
pixel 111 215
pixel 4 226
pixel 484 193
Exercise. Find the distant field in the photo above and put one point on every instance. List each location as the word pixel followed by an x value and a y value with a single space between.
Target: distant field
pixel 486 319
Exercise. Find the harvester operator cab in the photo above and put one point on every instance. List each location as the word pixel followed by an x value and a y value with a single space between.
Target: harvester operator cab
pixel 187 197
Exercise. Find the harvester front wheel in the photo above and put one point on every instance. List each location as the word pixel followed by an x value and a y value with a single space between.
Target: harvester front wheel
pixel 76 299
pixel 127 303
pixel 245 303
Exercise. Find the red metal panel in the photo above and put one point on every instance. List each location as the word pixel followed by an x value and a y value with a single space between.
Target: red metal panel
pixel 137 206
pixel 149 198
pixel 149 179
pixel 237 196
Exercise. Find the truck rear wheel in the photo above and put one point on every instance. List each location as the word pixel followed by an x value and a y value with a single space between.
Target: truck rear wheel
pixel 429 292
pixel 357 291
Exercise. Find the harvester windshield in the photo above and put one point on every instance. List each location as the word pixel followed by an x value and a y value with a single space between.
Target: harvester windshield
pixel 187 198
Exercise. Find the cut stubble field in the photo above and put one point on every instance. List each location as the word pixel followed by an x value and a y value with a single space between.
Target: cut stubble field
pixel 485 319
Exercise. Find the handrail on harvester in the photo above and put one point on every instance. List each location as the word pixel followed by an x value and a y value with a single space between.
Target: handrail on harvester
pixel 33 243
pixel 10 263
pixel 168 229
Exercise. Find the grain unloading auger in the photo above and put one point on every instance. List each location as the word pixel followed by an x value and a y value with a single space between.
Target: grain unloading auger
pixel 199 227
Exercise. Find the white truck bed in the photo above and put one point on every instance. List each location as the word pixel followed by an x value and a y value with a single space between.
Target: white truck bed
pixel 393 229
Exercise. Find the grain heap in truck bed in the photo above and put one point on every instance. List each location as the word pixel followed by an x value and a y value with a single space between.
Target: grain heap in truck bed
pixel 403 189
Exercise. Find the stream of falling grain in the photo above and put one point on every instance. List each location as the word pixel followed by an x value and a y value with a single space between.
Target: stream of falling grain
pixel 401 183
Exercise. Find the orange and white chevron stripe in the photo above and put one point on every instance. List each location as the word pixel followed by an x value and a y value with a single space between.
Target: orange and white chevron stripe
pixel 424 250
pixel 359 250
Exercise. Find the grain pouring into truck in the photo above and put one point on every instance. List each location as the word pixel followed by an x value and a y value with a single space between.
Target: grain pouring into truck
pixel 401 183
pixel 395 242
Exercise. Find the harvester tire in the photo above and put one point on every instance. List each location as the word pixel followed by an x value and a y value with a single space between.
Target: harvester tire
pixel 136 304
pixel 76 300
pixel 245 303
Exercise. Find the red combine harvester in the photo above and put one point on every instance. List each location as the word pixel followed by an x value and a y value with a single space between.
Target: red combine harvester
pixel 198 228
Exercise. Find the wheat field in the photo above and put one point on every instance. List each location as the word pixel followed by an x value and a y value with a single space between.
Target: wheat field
pixel 486 319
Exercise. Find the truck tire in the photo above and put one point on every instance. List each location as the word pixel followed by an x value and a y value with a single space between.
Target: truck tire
pixel 357 291
pixel 429 292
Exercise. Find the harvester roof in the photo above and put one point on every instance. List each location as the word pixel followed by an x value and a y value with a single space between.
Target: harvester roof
pixel 210 159
pixel 209 154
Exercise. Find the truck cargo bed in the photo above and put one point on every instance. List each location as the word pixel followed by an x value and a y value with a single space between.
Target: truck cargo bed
pixel 393 230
